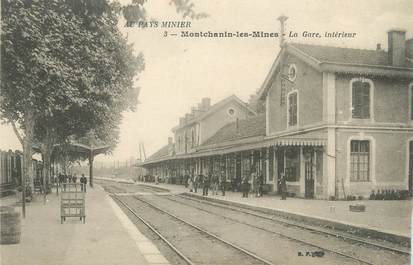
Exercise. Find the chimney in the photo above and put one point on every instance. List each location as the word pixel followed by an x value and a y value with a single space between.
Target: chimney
pixel 206 104
pixel 170 142
pixel 409 48
pixel 378 48
pixel 181 121
pixel 282 20
pixel 397 47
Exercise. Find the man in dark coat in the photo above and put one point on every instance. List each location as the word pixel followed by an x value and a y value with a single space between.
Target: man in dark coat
pixel 260 184
pixel 206 182
pixel 222 180
pixel 283 186
pixel 245 186
pixel 83 181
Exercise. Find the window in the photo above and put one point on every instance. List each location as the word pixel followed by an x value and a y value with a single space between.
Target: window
pixel 359 160
pixel 231 112
pixel 193 138
pixel 292 72
pixel 361 100
pixel 179 144
pixel 292 109
pixel 292 164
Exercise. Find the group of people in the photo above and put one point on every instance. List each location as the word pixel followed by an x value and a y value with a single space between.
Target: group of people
pixel 65 179
pixel 257 184
pixel 209 181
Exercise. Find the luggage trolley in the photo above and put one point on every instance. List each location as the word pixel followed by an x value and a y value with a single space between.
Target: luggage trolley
pixel 72 201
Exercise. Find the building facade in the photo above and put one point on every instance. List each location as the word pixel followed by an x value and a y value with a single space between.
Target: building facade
pixel 337 122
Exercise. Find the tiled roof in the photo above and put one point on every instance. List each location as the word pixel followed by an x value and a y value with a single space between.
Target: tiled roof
pixel 253 126
pixel 164 151
pixel 345 55
pixel 216 107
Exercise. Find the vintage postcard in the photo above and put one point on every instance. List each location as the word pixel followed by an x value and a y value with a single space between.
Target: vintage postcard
pixel 206 132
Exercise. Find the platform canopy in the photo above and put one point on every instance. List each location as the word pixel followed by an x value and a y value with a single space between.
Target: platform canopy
pixel 87 147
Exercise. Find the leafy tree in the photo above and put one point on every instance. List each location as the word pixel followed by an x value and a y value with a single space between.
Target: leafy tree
pixel 66 68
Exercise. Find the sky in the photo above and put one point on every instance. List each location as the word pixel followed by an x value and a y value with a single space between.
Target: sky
pixel 181 71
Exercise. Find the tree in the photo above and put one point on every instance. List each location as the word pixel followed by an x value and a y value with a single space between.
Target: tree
pixel 64 63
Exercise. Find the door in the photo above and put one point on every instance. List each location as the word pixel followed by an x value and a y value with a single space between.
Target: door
pixel 309 177
pixel 237 180
pixel 280 168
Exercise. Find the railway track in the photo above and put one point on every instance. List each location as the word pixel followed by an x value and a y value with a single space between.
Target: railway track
pixel 319 230
pixel 349 253
pixel 248 257
pixel 183 200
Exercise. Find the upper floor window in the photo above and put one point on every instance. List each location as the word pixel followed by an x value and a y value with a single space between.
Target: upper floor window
pixel 193 143
pixel 292 72
pixel 361 92
pixel 179 143
pixel 292 108
pixel 359 160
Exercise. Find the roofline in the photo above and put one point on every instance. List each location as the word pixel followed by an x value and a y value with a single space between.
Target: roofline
pixel 322 66
pixel 211 111
pixel 253 143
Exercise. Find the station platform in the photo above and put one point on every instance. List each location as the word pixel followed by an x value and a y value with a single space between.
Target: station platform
pixel 384 218
pixel 107 237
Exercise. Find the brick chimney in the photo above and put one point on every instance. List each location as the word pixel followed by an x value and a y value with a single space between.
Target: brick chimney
pixel 397 47
pixel 206 104
pixel 378 47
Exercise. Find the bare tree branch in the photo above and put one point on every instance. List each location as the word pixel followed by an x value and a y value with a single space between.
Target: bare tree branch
pixel 17 133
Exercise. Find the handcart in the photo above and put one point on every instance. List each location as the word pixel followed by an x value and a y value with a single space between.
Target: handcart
pixel 72 201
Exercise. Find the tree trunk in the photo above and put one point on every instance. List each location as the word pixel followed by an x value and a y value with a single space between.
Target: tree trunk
pixel 27 157
pixel 46 149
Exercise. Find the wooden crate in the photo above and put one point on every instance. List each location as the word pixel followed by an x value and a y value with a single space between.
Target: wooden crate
pixel 72 202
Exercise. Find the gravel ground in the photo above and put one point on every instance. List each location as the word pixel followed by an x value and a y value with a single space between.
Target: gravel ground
pixel 230 228
pixel 198 247
pixel 166 251
pixel 236 227
pixel 366 252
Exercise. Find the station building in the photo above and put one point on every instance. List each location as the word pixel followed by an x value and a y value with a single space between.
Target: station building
pixel 337 122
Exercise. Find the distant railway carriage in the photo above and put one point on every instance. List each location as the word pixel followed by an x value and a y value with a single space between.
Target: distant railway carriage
pixel 11 168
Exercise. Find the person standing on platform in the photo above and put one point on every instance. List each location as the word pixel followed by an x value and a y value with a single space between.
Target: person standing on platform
pixel 156 179
pixel 186 179
pixel 191 183
pixel 196 181
pixel 222 180
pixel 283 186
pixel 245 186
pixel 254 180
pixel 215 184
pixel 83 182
pixel 206 182
pixel 260 184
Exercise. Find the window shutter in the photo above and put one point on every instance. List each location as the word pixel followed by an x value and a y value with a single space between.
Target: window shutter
pixel 356 100
pixel 361 100
pixel 366 101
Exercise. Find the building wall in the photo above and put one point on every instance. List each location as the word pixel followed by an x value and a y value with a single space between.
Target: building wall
pixel 390 101
pixel 388 160
pixel 212 123
pixel 187 130
pixel 309 84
